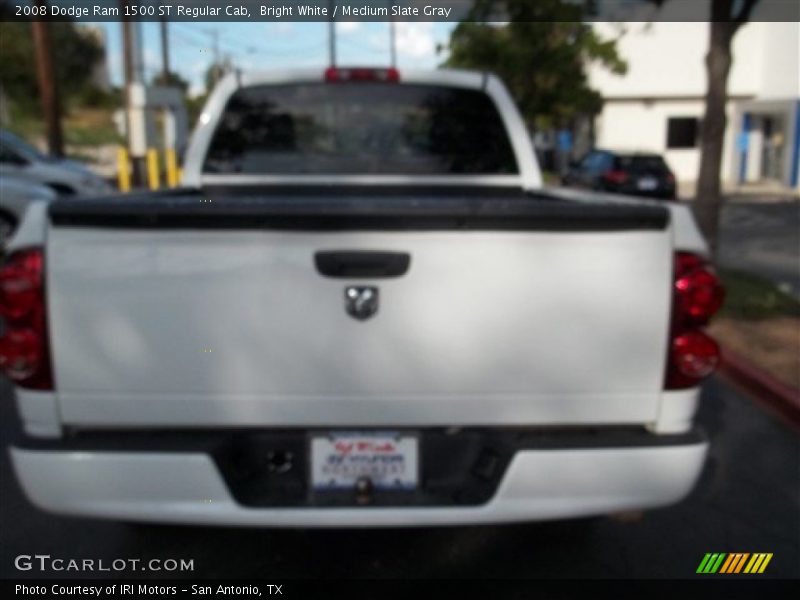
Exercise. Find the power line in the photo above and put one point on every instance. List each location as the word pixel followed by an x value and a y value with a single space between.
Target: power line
pixel 251 48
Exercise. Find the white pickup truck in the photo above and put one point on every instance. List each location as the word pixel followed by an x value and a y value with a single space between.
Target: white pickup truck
pixel 362 309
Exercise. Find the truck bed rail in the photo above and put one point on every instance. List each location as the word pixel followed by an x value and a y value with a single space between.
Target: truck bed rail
pixel 349 209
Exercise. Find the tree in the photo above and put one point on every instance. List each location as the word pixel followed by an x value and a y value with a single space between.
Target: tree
pixel 217 71
pixel 727 17
pixel 172 79
pixel 541 54
pixel 75 48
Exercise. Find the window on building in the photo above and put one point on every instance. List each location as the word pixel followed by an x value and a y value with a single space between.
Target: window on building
pixel 682 132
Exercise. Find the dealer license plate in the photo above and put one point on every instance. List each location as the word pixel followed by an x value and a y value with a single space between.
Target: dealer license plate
pixel 388 459
pixel 647 183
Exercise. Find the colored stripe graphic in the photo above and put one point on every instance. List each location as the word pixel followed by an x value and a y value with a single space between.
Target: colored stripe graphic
pixel 728 563
pixel 765 563
pixel 717 564
pixel 740 563
pixel 711 562
pixel 722 563
pixel 735 561
pixel 749 568
pixel 703 563
pixel 758 563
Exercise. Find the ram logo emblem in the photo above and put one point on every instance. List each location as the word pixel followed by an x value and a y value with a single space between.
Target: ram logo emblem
pixel 361 301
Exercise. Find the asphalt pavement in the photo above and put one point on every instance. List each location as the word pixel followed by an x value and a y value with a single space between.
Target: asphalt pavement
pixel 748 500
pixel 763 238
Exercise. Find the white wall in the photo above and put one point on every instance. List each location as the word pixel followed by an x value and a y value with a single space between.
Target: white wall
pixel 667 59
pixel 780 73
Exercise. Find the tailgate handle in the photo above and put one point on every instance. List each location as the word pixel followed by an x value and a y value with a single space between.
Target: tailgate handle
pixel 359 263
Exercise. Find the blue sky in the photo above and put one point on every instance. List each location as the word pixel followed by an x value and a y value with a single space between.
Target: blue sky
pixel 279 45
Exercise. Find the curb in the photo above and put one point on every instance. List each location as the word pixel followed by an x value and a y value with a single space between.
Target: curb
pixel 763 387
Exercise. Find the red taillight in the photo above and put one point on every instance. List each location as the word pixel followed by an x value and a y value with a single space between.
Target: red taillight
pixel 19 285
pixel 698 291
pixel 697 296
pixel 24 351
pixel 20 353
pixel 615 176
pixel 693 356
pixel 343 74
pixel 670 178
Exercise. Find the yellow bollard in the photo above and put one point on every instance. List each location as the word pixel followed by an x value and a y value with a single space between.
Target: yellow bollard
pixel 180 174
pixel 172 167
pixel 123 170
pixel 153 178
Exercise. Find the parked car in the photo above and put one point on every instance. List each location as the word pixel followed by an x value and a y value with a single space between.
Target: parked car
pixel 15 197
pixel 634 174
pixel 66 177
pixel 364 309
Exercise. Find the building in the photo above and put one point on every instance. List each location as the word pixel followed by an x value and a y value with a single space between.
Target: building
pixel 658 105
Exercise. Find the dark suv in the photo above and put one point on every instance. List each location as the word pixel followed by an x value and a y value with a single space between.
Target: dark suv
pixel 623 173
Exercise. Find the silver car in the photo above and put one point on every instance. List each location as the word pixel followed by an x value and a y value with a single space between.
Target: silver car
pixel 20 160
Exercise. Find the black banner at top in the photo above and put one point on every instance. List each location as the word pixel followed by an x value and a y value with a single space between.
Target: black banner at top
pixel 382 10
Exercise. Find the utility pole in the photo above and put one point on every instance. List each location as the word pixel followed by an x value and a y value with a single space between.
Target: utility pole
pixel 164 52
pixel 130 66
pixel 218 67
pixel 214 33
pixel 331 38
pixel 48 87
pixel 127 50
pixel 393 48
pixel 217 57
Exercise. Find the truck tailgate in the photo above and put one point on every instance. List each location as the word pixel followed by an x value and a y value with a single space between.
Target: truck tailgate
pixel 198 311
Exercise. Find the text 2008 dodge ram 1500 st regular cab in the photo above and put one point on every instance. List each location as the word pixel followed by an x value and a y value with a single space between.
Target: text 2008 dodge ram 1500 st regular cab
pixel 362 309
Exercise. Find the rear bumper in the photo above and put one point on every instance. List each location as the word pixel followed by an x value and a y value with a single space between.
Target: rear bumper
pixel 548 482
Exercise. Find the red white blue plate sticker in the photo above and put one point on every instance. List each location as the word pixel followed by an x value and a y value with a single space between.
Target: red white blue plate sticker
pixel 388 459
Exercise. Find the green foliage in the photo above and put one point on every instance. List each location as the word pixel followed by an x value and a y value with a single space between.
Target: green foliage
pixel 94 97
pixel 82 127
pixel 78 135
pixel 75 49
pixel 172 79
pixel 749 296
pixel 216 72
pixel 194 106
pixel 24 123
pixel 541 54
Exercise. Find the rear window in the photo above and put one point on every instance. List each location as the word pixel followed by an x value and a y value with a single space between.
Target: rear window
pixel 363 128
pixel 642 164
